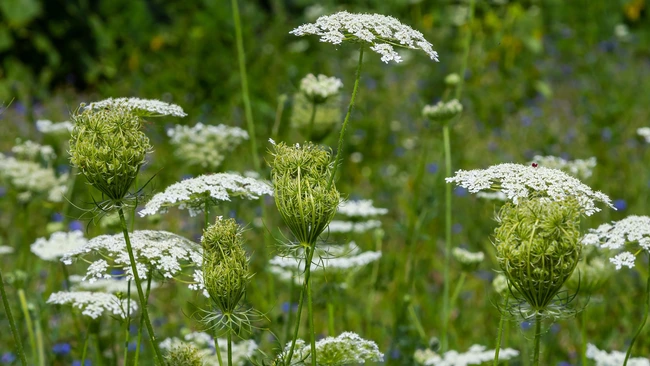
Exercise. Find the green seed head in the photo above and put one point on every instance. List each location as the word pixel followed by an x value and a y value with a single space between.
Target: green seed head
pixel 300 177
pixel 108 147
pixel 538 247
pixel 225 264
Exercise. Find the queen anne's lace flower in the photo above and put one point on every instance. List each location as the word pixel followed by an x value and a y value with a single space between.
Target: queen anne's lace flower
pixel 476 355
pixel 346 349
pixel 645 133
pixel 164 252
pixel 615 358
pixel 496 196
pixel 29 178
pixel 194 192
pixel 205 145
pixel 318 89
pixel 47 127
pixel 33 151
pixel 615 236
pixel 337 226
pixel 521 181
pixel 93 304
pixel 6 249
pixel 580 168
pixel 332 258
pixel 360 209
pixel 241 351
pixel 442 111
pixel 469 261
pixel 380 32
pixel 111 286
pixel 58 245
pixel 145 107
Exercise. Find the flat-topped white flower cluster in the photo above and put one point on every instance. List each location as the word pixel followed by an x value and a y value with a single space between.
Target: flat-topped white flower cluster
pixel 476 355
pixel 48 127
pixel 205 145
pixel 380 32
pixel 193 193
pixel 94 304
pixel 615 358
pixel 204 343
pixel 615 236
pixel 348 348
pixel 30 179
pixel 111 286
pixel 645 133
pixel 333 258
pixel 579 168
pixel 338 226
pixel 519 181
pixel 360 209
pixel 58 245
pixel 147 107
pixel 319 88
pixel 30 150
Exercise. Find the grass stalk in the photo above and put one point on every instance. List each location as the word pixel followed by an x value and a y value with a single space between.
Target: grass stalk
pixel 229 347
pixel 500 333
pixel 137 346
pixel 643 321
pixel 12 323
pixel 28 323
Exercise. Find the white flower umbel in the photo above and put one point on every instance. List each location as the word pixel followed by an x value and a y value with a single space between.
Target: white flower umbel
pixel 360 209
pixel 337 226
pixel 382 33
pixel 241 351
pixel 645 133
pixel 579 168
pixel 143 107
pixel 620 235
pixel 111 286
pixel 468 260
pixel 519 181
pixel 193 193
pixel 33 151
pixel 58 244
pixel 205 145
pixel 318 89
pixel 94 304
pixel 6 249
pixel 346 349
pixel 494 196
pixel 476 355
pixel 615 358
pixel 332 258
pixel 30 179
pixel 164 252
pixel 46 126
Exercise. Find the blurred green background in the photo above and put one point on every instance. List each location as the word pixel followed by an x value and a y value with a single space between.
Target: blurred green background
pixel 549 77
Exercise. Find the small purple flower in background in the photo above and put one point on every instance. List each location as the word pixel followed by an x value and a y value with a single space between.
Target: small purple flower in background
pixel 564 363
pixel 285 307
pixel 78 363
pixel 8 357
pixel 3 191
pixel 57 217
pixel 76 225
pixel 555 328
pixel 394 354
pixel 525 325
pixel 620 204
pixel 133 346
pixel 61 349
pixel 432 168
pixel 460 191
pixel 399 152
pixel 606 134
pixel 526 121
pixel 457 228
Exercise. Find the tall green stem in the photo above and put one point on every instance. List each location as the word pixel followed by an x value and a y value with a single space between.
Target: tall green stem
pixel 85 349
pixel 218 349
pixel 583 336
pixel 229 348
pixel 643 321
pixel 12 323
pixel 339 149
pixel 312 118
pixel 287 329
pixel 310 311
pixel 310 256
pixel 127 325
pixel 330 319
pixel 137 347
pixel 501 321
pixel 538 338
pixel 459 286
pixel 28 324
pixel 241 56
pixel 138 285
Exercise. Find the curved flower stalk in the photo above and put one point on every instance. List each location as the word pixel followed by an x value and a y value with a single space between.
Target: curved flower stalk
pixel 346 349
pixel 615 358
pixel 205 145
pixel 139 107
pixel 378 32
pixel 194 193
pixel 538 247
pixel 476 355
pixel 519 181
pixel 205 346
pixel 579 168
pixel 619 236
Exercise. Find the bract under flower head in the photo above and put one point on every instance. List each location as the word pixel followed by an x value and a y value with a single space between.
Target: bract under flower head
pixel 193 193
pixel 94 304
pixel 621 234
pixel 519 181
pixel 58 245
pixel 346 349
pixel 164 252
pixel 140 107
pixel 205 145
pixel 380 32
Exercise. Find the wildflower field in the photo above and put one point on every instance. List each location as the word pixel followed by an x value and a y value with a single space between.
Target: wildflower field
pixel 409 182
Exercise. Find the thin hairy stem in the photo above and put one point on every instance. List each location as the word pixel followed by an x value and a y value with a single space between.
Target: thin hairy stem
pixel 127 325
pixel 310 310
pixel 538 338
pixel 501 322
pixel 12 323
pixel 138 285
pixel 39 341
pixel 218 349
pixel 416 321
pixel 339 149
pixel 28 323
pixel 643 321
pixel 241 57
pixel 310 256
pixel 137 349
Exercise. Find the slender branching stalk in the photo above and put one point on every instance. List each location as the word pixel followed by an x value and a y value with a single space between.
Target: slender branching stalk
pixel 138 285
pixel 85 349
pixel 459 286
pixel 310 310
pixel 643 321
pixel 501 322
pixel 330 319
pixel 339 149
pixel 538 338
pixel 287 328
pixel 127 324
pixel 12 323
pixel 28 323
pixel 311 121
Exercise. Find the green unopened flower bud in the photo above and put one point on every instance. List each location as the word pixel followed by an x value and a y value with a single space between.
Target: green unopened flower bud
pixel 225 264
pixel 442 111
pixel 538 247
pixel 300 176
pixel 183 355
pixel 108 147
pixel 452 79
pixel 590 277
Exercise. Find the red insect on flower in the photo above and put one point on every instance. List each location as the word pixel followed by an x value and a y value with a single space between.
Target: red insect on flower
pixel 534 165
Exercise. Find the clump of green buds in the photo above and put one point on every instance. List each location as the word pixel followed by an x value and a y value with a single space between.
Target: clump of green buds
pixel 538 247
pixel 225 265
pixel 442 111
pixel 183 355
pixel 304 195
pixel 108 146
